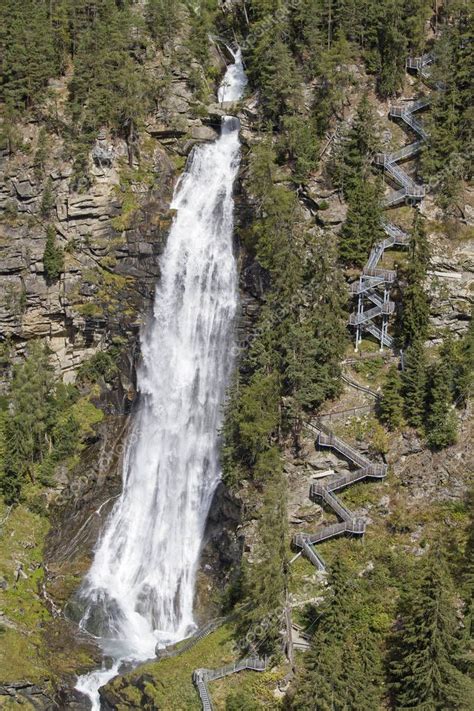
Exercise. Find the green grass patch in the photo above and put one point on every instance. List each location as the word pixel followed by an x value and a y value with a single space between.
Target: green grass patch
pixel 370 369
pixel 168 684
pixel 253 689
pixel 22 536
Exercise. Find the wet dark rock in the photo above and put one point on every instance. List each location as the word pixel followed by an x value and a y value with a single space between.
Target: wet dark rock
pixel 23 692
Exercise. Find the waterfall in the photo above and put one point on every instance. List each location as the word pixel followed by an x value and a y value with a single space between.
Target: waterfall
pixel 139 590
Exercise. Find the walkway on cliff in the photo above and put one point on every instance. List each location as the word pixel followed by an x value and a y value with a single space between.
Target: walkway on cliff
pixel 202 677
pixel 372 290
pixel 348 523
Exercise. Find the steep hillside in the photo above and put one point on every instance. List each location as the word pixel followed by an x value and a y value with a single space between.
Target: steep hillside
pixel 100 113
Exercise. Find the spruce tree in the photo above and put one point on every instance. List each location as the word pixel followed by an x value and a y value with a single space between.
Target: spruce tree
pixel 447 161
pixel 465 379
pixel 426 643
pixel 53 257
pixel 313 338
pixel 414 319
pixel 362 228
pixel 355 152
pixel 300 145
pixel 47 199
pixel 163 19
pixel 107 88
pixel 392 49
pixel 260 614
pixel 29 420
pixel 317 686
pixel 273 70
pixel 467 591
pixel 441 419
pixel 342 668
pixel 414 377
pixel 26 51
pixel 391 404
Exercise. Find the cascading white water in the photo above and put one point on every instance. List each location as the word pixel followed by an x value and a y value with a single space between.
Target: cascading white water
pixel 139 590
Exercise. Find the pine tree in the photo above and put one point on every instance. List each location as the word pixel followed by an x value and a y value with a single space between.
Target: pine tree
pixel 441 419
pixel 53 257
pixel 261 610
pixel 464 382
pixel 26 51
pixel 29 420
pixel 392 49
pixel 467 590
pixel 333 81
pixel 414 318
pixel 355 153
pixel 391 404
pixel 47 198
pixel 163 19
pixel 317 685
pixel 342 669
pixel 414 377
pixel 362 228
pixel 107 88
pixel 273 70
pixel 300 145
pixel 313 338
pixel 425 646
pixel 448 160
pixel 457 359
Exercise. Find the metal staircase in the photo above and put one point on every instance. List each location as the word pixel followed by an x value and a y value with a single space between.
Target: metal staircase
pixel 409 189
pixel 201 677
pixel 349 524
pixel 372 290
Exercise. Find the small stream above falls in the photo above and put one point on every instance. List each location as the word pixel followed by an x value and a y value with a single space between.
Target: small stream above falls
pixel 140 588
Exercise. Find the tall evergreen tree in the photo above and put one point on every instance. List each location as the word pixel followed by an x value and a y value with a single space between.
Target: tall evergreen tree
pixel 441 419
pixel 355 152
pixel 300 145
pixel 273 70
pixel 261 610
pixel 414 317
pixel 342 669
pixel 426 643
pixel 414 377
pixel 53 257
pixel 27 57
pixel 362 228
pixel 464 382
pixel 391 42
pixel 391 404
pixel 467 590
pixel 447 159
pixel 29 420
pixel 107 88
pixel 163 19
pixel 314 339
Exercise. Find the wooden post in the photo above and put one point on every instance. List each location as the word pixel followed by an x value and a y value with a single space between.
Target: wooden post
pixel 289 635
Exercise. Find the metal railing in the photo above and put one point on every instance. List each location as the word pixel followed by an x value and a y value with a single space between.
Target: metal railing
pixel 360 387
pixel 201 677
pixel 386 307
pixel 330 440
pixel 190 642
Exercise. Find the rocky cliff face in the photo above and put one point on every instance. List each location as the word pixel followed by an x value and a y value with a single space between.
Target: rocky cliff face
pixel 110 264
pixel 111 227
